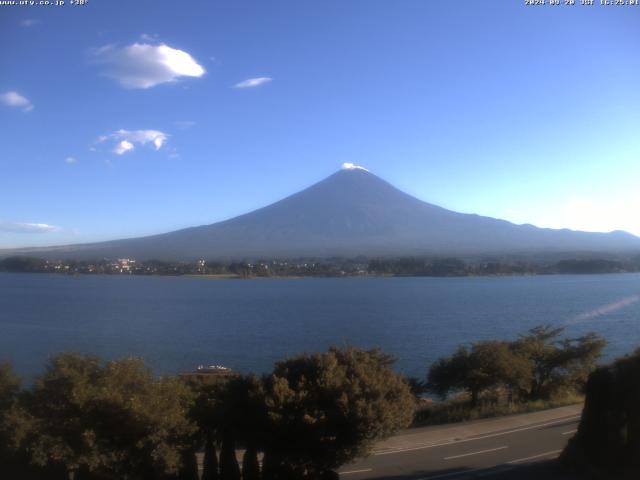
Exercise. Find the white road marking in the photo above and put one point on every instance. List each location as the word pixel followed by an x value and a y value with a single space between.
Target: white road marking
pixel 356 471
pixel 569 432
pixel 491 435
pixel 488 471
pixel 476 453
pixel 533 457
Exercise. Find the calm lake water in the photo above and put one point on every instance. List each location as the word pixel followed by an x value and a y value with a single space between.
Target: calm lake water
pixel 177 323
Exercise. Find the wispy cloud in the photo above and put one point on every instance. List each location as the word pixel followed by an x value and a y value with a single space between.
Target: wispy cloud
pixel 184 124
pixel 253 82
pixel 145 37
pixel 143 65
pixel 30 22
pixel 126 140
pixel 14 99
pixel 8 227
pixel 70 160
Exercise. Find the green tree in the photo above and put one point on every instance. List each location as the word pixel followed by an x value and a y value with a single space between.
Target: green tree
pixel 14 462
pixel 327 409
pixel 250 464
pixel 116 419
pixel 189 466
pixel 229 468
pixel 534 366
pixel 417 386
pixel 22 264
pixel 482 366
pixel 9 386
pixel 246 420
pixel 449 374
pixel 230 411
pixel 206 412
pixel 558 362
pixel 210 460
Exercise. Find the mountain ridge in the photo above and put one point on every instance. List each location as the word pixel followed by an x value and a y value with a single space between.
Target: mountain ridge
pixel 352 212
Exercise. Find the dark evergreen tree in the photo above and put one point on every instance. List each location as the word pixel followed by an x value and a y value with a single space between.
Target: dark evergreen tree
pixel 271 464
pixel 229 468
pixel 250 464
pixel 210 462
pixel 189 467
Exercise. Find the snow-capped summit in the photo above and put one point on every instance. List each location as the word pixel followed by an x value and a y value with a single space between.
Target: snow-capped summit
pixel 352 166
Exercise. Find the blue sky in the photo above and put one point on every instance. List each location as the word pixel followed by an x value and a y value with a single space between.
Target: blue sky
pixel 125 118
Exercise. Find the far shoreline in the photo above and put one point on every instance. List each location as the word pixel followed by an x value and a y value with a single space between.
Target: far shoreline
pixel 307 277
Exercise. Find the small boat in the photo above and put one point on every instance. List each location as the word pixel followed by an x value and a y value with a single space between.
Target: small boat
pixel 211 372
pixel 213 369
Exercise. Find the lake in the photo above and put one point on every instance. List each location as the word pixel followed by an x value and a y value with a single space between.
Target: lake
pixel 177 323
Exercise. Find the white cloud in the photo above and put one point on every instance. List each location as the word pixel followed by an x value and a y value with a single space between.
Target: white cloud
pixel 253 82
pixel 14 99
pixel 184 124
pixel 148 38
pixel 126 140
pixel 123 147
pixel 143 65
pixel 70 160
pixel 8 227
pixel 30 22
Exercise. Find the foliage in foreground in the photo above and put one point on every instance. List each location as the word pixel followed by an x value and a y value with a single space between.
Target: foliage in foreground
pixel 116 419
pixel 608 439
pixel 330 408
pixel 459 409
pixel 110 420
pixel 537 366
pixel 113 420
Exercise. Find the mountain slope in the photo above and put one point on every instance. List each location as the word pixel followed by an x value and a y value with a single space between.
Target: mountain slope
pixel 352 212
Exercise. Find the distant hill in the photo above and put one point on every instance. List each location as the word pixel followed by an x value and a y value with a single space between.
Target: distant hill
pixel 350 213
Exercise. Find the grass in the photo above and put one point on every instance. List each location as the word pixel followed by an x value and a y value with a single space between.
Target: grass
pixel 459 409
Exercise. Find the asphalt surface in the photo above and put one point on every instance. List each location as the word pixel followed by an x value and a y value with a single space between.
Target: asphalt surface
pixel 500 449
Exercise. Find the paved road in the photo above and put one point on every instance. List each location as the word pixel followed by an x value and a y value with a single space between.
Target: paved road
pixel 469 450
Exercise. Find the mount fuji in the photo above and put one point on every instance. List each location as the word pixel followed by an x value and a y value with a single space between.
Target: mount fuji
pixel 352 212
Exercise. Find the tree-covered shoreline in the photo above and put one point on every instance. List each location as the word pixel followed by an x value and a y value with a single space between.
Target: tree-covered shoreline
pixel 330 267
